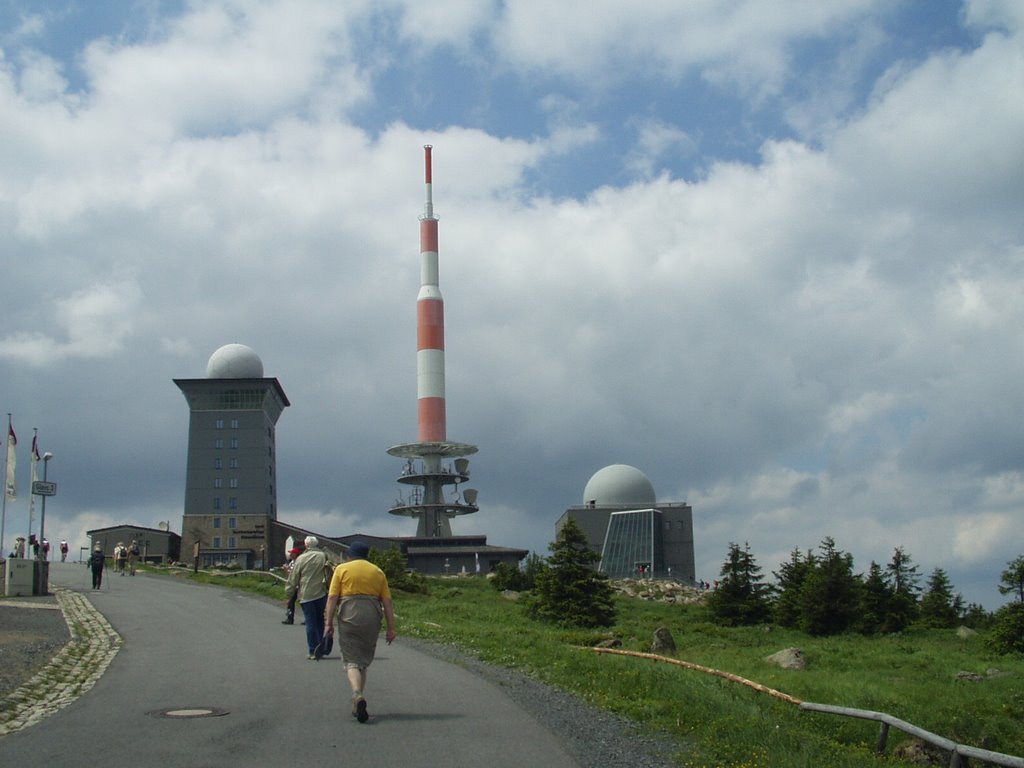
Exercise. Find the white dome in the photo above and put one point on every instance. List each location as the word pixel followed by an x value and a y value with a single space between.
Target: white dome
pixel 619 485
pixel 234 361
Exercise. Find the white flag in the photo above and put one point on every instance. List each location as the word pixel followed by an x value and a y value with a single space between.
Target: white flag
pixel 11 490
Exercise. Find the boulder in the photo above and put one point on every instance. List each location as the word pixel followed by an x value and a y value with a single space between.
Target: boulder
pixel 663 643
pixel 788 658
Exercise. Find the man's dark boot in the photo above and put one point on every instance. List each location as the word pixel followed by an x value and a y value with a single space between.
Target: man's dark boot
pixel 289 617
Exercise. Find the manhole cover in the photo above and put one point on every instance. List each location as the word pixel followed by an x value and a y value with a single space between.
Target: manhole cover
pixel 183 713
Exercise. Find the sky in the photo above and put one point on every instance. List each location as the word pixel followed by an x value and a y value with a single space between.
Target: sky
pixel 770 254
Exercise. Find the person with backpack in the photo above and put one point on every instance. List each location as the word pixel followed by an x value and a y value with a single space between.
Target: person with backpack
pixel 97 561
pixel 308 583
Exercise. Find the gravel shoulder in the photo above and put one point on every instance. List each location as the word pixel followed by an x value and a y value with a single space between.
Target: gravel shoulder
pixel 32 632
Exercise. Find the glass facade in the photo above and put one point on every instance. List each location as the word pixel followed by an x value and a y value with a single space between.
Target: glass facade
pixel 633 545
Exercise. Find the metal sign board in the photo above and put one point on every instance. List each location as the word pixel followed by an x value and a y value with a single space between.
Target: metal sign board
pixel 43 488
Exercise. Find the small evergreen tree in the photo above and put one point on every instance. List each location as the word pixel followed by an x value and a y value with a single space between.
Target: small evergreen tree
pixel 790 580
pixel 874 601
pixel 1013 579
pixel 901 576
pixel 829 599
pixel 567 590
pixel 742 598
pixel 939 606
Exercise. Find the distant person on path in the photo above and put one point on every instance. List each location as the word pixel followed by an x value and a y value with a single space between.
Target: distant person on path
pixel 307 582
pixel 289 609
pixel 359 594
pixel 133 556
pixel 96 562
pixel 120 556
pixel 63 550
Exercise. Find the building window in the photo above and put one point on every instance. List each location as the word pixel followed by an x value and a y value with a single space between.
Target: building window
pixel 216 542
pixel 231 522
pixel 216 505
pixel 231 542
pixel 233 463
pixel 233 482
pixel 233 503
pixel 219 424
pixel 234 423
pixel 218 443
pixel 216 520
pixel 217 463
pixel 234 442
pixel 217 482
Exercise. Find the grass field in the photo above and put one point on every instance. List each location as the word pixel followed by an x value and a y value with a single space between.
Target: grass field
pixel 912 676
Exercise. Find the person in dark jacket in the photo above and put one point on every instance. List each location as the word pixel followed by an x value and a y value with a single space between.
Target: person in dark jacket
pixel 97 561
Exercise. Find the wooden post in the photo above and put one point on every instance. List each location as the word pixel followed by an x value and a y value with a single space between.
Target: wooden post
pixel 883 734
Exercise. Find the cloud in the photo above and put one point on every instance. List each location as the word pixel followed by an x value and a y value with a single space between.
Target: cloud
pixel 96 322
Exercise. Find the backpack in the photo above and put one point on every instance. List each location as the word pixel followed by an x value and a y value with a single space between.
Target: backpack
pixel 96 559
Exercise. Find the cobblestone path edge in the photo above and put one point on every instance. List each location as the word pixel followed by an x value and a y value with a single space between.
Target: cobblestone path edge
pixel 72 672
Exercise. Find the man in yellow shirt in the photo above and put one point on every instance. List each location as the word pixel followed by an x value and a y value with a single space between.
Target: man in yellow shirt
pixel 359 594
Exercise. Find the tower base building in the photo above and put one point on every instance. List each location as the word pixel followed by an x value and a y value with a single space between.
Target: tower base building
pixel 231 469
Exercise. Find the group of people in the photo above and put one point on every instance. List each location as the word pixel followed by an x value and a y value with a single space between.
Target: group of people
pixel 38 547
pixel 126 557
pixel 124 561
pixel 355 593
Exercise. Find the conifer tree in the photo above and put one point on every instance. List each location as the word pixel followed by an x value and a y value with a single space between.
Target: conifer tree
pixel 829 599
pixel 567 590
pixel 874 601
pixel 742 598
pixel 902 577
pixel 790 577
pixel 1013 579
pixel 939 604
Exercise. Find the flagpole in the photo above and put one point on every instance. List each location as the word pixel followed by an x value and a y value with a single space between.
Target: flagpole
pixel 7 458
pixel 33 459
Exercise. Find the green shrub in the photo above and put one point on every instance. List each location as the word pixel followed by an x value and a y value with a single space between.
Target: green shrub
pixel 1007 633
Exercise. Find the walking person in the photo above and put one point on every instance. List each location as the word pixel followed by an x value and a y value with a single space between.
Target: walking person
pixel 360 596
pixel 63 550
pixel 97 561
pixel 306 581
pixel 289 608
pixel 133 556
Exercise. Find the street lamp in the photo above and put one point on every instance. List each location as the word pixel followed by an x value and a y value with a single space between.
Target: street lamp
pixel 42 515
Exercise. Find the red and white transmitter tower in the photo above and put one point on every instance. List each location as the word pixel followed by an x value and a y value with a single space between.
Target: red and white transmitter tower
pixel 433 463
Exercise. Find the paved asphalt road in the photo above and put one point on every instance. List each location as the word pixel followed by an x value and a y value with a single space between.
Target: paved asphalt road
pixel 195 646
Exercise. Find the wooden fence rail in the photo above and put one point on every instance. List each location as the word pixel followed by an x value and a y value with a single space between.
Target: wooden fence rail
pixel 957 751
